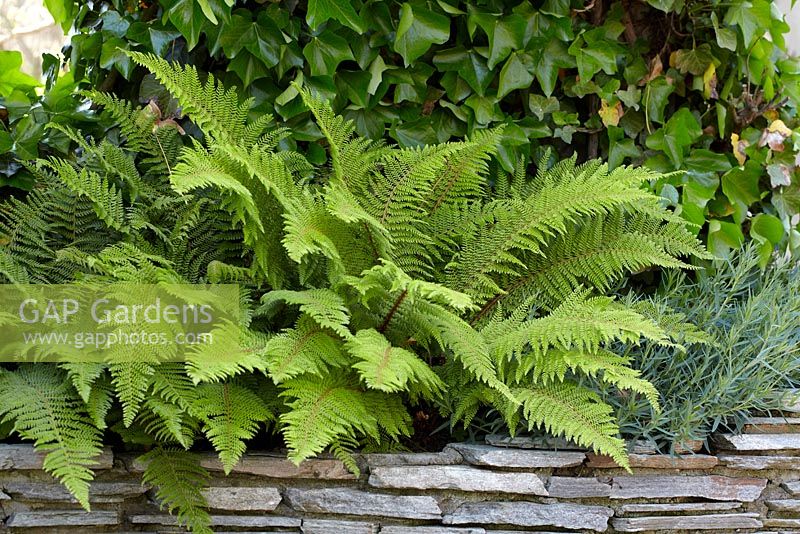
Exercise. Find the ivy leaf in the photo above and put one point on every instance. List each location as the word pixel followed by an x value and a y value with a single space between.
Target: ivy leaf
pixel 320 11
pixel 248 67
pixel 779 175
pixel 750 17
pixel 112 55
pixel 726 37
pixel 468 64
pixel 188 18
pixel 62 12
pixel 656 96
pixel 740 186
pixel 694 61
pixel 620 147
pixel 550 59
pixel 515 74
pixel 767 231
pixel 325 52
pixel 609 114
pixel 678 134
pixel 417 30
pixel 376 70
pixel 724 236
pixel 505 35
pixel 540 105
pixel 261 38
pixel 599 53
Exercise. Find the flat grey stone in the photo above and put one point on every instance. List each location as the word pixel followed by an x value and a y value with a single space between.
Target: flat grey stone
pixel 690 523
pixel 357 502
pixel 275 466
pixel 758 463
pixel 99 492
pixel 514 458
pixel 446 457
pixel 784 505
pixel 62 518
pixel 681 507
pixel 456 477
pixel 24 457
pixel 242 498
pixel 433 530
pixel 3 496
pixel 329 526
pixel 713 487
pixel 758 442
pixel 528 514
pixel 792 487
pixel 782 523
pixel 527 442
pixel 243 521
pixel 772 425
pixel 577 487
pixel 655 461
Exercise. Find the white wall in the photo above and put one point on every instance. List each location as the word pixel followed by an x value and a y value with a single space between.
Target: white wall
pixel 793 18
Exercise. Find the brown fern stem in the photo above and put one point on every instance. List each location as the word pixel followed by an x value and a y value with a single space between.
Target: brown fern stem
pixel 385 324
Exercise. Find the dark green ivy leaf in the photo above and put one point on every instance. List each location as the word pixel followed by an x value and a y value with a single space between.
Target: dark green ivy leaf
pixel 188 18
pixel 418 29
pixel 320 11
pixel 468 64
pixel 325 52
pixel 515 74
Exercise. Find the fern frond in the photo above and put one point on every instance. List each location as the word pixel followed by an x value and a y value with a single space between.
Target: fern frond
pixel 577 413
pixel 44 407
pixel 213 108
pixel 307 348
pixel 230 414
pixel 325 410
pixel 391 369
pixel 179 480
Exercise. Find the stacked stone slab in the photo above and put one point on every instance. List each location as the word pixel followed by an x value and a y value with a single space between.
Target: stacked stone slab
pixel 751 483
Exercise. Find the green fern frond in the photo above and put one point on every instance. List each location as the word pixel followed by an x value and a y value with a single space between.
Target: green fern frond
pixel 179 480
pixel 324 306
pixel 307 348
pixel 215 110
pixel 391 369
pixel 581 323
pixel 576 413
pixel 327 409
pixel 44 408
pixel 230 414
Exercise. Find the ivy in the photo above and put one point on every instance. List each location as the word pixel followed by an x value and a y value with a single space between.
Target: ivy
pixel 662 83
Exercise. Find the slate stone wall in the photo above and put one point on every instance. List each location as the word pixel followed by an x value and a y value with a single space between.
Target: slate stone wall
pixel 750 484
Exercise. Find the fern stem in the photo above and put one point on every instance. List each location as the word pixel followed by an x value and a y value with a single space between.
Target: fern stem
pixel 385 324
pixel 371 240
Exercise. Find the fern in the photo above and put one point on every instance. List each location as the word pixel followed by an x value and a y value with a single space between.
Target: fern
pixel 388 276
pixel 179 480
pixel 46 409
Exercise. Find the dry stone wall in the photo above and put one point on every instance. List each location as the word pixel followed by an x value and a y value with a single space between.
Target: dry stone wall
pixel 508 485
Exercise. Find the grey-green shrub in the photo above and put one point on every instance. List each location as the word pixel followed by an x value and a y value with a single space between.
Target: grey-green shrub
pixel 753 320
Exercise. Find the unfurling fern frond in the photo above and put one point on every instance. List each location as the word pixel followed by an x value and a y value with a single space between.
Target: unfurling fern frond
pixel 44 408
pixel 179 480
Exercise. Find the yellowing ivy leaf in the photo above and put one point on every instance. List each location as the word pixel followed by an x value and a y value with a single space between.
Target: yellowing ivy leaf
pixel 710 82
pixel 610 115
pixel 774 135
pixel 738 148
